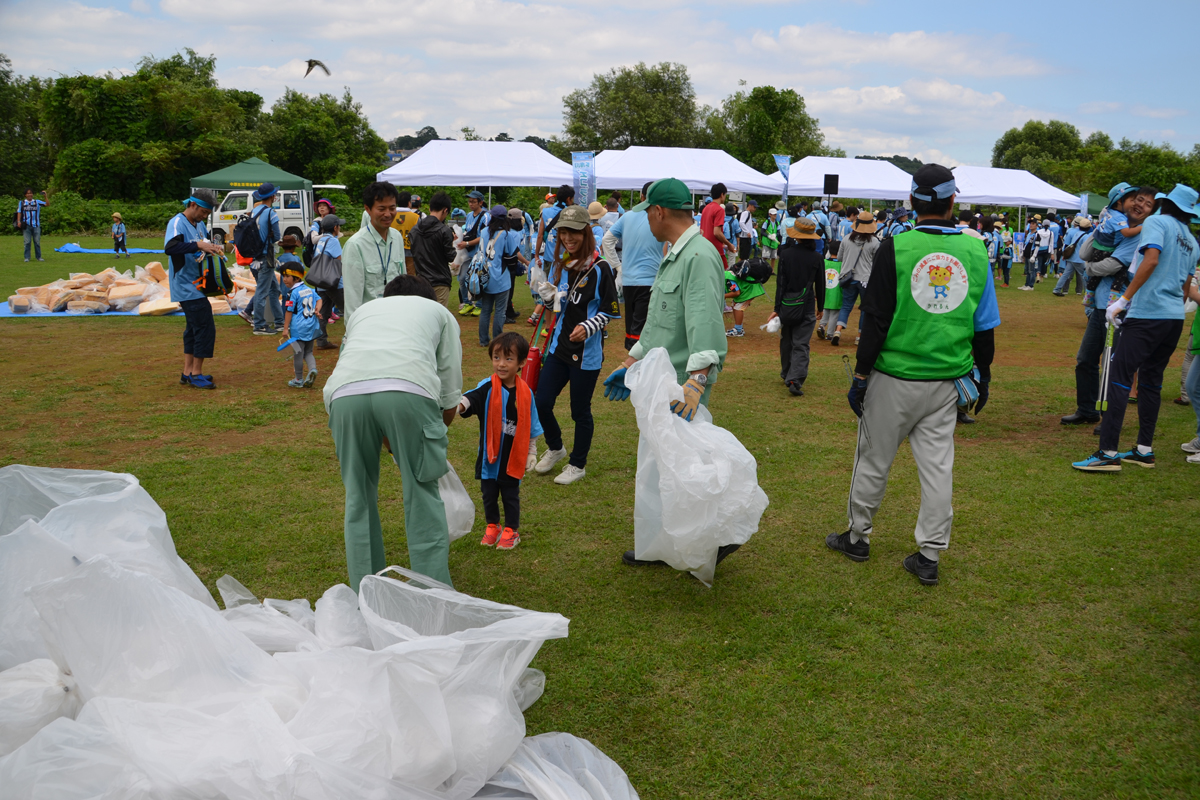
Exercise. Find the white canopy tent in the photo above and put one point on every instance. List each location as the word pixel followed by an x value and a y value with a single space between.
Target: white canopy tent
pixel 445 162
pixel 1009 187
pixel 699 169
pixel 857 177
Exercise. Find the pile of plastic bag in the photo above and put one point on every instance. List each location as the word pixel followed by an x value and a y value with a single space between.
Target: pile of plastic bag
pixel 697 486
pixel 121 678
pixel 145 290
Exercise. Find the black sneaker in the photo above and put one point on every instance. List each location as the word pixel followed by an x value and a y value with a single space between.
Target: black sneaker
pixel 794 388
pixel 631 560
pixel 841 542
pixel 726 550
pixel 965 419
pixel 1080 419
pixel 1135 457
pixel 923 568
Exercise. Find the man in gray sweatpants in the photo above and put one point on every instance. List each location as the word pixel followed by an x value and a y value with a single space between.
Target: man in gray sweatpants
pixel 928 318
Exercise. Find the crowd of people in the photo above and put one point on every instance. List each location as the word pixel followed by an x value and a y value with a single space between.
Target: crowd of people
pixel 678 269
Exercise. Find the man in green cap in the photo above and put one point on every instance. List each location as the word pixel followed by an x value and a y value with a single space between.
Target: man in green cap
pixel 686 304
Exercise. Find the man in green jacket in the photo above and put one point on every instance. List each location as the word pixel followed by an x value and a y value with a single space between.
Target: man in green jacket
pixel 686 304
pixel 374 255
pixel 398 381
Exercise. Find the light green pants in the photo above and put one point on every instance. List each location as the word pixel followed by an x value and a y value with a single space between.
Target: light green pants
pixel 413 425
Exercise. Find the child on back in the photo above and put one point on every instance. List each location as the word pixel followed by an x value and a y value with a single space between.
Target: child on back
pixel 508 425
pixel 301 320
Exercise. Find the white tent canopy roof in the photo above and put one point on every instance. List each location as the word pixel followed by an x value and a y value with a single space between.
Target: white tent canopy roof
pixel 698 168
pixel 1009 187
pixel 857 178
pixel 445 162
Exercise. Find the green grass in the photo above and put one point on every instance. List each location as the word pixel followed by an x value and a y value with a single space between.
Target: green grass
pixel 1058 658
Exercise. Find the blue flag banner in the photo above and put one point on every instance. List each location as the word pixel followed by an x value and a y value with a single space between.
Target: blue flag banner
pixel 583 167
pixel 784 163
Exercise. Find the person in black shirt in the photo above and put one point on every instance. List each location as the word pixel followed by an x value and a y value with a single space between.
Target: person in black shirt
pixel 799 297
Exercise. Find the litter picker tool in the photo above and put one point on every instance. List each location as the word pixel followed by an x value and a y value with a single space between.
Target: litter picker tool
pixel 1102 403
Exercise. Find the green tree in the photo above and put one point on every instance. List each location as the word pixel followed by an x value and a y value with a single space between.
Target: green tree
pixel 469 134
pixel 144 136
pixel 318 136
pixel 422 138
pixel 1036 145
pixel 754 126
pixel 24 158
pixel 636 105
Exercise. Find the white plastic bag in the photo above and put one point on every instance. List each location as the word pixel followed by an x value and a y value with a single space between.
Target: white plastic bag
pixel 98 513
pixel 125 634
pixel 28 556
pixel 559 766
pixel 772 325
pixel 460 508
pixel 339 622
pixel 499 641
pixel 696 487
pixel 32 695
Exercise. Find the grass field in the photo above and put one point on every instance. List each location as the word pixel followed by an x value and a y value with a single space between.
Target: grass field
pixel 1058 657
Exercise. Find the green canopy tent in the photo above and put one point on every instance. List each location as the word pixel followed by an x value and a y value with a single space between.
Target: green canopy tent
pixel 249 174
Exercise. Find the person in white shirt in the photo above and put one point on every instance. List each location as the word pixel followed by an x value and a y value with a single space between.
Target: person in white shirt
pixel 746 230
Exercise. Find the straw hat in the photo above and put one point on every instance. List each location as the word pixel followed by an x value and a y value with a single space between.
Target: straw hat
pixel 117 216
pixel 595 210
pixel 865 223
pixel 803 228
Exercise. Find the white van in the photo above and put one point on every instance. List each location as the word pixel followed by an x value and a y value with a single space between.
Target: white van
pixel 294 207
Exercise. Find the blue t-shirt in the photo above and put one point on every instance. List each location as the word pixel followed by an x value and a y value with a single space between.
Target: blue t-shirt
pixel 1110 235
pixel 185 268
pixel 1074 237
pixel 897 228
pixel 641 253
pixel 845 228
pixel 302 303
pixel 552 235
pixel 328 244
pixel 268 224
pixel 491 470
pixel 506 244
pixel 987 314
pixel 31 213
pixel 119 229
pixel 470 223
pixel 1055 232
pixel 1161 296
pixel 818 216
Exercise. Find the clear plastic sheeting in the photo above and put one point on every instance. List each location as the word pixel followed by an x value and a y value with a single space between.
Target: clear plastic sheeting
pixel 126 634
pixel 559 766
pixel 460 508
pixel 124 685
pixel 32 695
pixel 697 485
pixel 98 513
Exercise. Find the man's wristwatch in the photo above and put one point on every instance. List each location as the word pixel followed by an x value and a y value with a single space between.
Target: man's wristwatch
pixel 701 378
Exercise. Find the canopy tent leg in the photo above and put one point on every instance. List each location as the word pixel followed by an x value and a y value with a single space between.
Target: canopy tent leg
pixel 489 197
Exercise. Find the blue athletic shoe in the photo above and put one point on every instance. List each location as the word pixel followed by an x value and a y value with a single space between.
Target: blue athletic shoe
pixel 184 380
pixel 310 379
pixel 202 382
pixel 1098 462
pixel 1136 457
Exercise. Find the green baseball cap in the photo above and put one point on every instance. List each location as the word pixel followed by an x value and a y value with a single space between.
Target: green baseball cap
pixel 668 193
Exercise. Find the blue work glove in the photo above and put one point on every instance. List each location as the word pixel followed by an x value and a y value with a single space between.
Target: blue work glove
pixel 614 385
pixel 982 386
pixel 686 408
pixel 856 395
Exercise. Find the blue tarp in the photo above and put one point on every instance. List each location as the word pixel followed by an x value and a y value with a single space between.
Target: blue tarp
pixel 5 312
pixel 73 247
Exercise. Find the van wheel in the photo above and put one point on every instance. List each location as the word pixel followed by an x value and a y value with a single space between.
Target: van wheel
pixel 218 238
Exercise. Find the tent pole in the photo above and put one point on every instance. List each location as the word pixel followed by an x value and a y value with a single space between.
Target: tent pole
pixel 489 197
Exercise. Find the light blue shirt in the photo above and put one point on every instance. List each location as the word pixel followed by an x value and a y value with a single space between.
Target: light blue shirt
pixel 507 243
pixel 1161 296
pixel 31 212
pixel 1055 232
pixel 119 229
pixel 181 279
pixel 1073 237
pixel 641 253
pixel 987 313
pixel 551 236
pixel 268 224
pixel 328 244
pixel 301 301
pixel 1110 235
pixel 470 223
pixel 845 228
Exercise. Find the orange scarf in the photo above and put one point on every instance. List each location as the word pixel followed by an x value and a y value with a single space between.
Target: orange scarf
pixel 495 427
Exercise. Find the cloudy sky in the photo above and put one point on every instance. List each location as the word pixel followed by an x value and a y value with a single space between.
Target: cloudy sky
pixel 934 81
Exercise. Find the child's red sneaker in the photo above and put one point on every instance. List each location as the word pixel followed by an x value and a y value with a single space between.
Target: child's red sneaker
pixel 490 535
pixel 509 540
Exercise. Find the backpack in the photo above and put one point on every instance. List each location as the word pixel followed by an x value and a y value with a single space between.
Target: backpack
pixel 755 270
pixel 214 279
pixel 246 236
pixel 479 272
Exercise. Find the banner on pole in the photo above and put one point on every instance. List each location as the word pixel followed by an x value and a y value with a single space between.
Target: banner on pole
pixel 583 165
pixel 784 163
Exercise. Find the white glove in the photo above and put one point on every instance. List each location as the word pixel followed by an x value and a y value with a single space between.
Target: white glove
pixel 547 291
pixel 617 281
pixel 1117 306
pixel 532 460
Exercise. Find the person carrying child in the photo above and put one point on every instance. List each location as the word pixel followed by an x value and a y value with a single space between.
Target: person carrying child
pixel 301 321
pixel 508 430
pixel 118 236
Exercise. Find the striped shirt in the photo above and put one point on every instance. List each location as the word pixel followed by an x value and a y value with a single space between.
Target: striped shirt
pixel 31 213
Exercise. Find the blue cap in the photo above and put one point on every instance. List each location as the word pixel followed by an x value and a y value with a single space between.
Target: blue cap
pixel 264 191
pixel 475 195
pixel 900 212
pixel 1119 192
pixel 498 211
pixel 458 212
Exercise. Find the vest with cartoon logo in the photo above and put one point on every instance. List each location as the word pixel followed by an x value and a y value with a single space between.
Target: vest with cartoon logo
pixel 939 282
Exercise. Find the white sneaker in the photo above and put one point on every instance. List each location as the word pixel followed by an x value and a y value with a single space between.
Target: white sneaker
pixel 1194 458
pixel 570 474
pixel 548 460
pixel 1191 447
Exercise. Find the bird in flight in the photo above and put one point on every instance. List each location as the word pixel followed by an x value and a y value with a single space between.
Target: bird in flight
pixel 313 63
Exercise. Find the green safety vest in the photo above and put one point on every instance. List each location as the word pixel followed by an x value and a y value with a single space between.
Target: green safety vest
pixel 833 289
pixel 939 283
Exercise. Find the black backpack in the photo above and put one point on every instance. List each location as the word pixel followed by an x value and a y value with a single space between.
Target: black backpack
pixel 247 238
pixel 214 278
pixel 755 270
